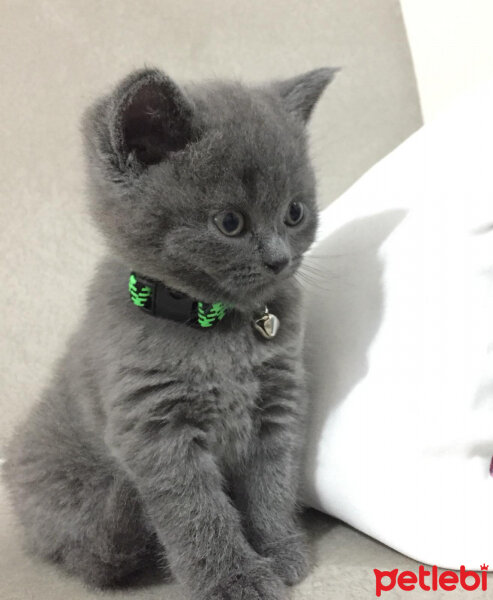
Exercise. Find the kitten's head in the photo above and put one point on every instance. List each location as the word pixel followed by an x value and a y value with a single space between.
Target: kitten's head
pixel 207 188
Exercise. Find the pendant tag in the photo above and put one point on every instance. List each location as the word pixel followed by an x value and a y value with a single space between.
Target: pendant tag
pixel 268 325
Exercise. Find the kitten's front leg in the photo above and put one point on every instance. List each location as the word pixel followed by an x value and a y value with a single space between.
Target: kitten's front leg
pixel 165 452
pixel 267 490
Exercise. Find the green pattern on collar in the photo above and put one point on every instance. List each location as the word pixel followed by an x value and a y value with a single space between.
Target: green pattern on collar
pixel 207 317
pixel 138 297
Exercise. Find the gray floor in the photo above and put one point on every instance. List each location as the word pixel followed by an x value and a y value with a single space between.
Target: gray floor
pixel 343 561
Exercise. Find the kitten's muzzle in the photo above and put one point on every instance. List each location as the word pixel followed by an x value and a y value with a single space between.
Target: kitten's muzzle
pixel 274 253
pixel 277 265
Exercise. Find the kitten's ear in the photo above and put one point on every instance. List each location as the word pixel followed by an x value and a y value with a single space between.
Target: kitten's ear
pixel 300 94
pixel 150 117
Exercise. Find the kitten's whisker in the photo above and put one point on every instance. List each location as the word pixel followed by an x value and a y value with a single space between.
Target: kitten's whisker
pixel 320 282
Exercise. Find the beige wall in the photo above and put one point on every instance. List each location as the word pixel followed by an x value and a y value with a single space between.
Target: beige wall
pixel 57 55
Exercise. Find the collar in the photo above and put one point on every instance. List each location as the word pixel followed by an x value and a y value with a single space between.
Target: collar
pixel 157 299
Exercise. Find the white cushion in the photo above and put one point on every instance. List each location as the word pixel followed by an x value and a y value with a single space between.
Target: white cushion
pixel 399 346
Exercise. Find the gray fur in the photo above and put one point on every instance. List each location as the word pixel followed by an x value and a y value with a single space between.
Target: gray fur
pixel 155 439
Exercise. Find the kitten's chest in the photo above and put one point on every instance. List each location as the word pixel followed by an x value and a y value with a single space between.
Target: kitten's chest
pixel 230 382
pixel 220 380
pixel 216 378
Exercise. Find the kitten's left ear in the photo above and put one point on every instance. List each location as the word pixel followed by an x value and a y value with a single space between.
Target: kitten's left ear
pixel 151 118
pixel 300 94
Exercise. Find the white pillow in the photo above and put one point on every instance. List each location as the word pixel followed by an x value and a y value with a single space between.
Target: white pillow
pixel 400 346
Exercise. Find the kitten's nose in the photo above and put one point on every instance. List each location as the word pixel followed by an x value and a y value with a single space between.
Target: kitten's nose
pixel 277 265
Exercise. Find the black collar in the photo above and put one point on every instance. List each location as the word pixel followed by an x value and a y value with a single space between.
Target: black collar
pixel 159 300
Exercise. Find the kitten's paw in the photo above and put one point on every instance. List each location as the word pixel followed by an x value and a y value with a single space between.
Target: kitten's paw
pixel 290 558
pixel 257 583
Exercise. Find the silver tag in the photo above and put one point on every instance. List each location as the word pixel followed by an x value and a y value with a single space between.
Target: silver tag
pixel 268 324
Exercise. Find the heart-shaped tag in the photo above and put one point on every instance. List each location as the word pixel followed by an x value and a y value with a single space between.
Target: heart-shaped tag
pixel 268 325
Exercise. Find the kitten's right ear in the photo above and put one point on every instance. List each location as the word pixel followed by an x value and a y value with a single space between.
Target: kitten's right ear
pixel 149 118
pixel 300 94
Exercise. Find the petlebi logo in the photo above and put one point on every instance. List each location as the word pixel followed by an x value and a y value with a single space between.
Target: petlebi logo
pixel 431 580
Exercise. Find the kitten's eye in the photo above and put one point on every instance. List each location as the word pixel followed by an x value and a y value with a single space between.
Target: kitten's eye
pixel 230 222
pixel 294 214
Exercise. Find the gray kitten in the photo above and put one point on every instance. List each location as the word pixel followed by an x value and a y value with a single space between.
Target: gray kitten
pixel 161 439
